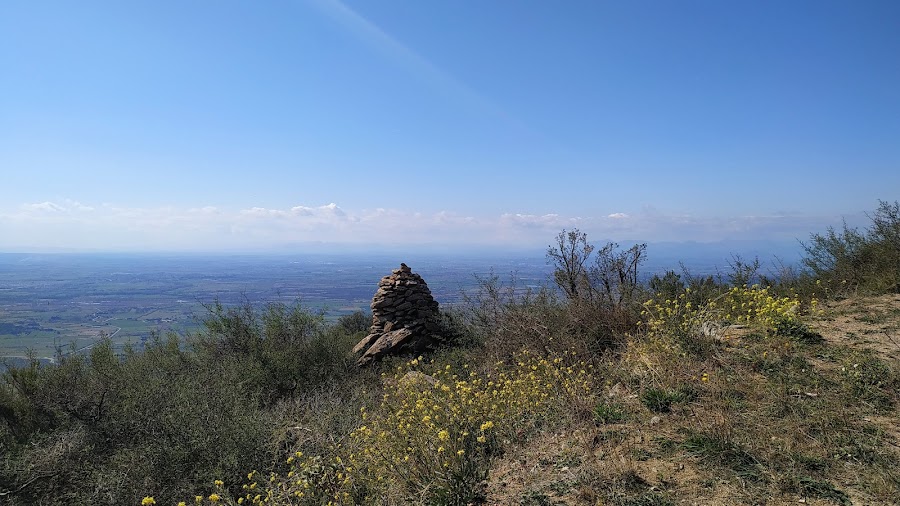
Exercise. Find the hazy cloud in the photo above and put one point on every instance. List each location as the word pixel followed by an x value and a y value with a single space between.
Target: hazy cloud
pixel 72 225
pixel 44 207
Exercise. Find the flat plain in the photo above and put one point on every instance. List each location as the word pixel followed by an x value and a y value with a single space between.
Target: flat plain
pixel 68 301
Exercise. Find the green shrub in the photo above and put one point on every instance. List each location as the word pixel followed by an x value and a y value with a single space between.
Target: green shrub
pixel 355 322
pixel 281 348
pixel 609 413
pixel 107 428
pixel 160 421
pixel 660 400
pixel 431 437
pixel 849 259
pixel 507 319
pixel 602 290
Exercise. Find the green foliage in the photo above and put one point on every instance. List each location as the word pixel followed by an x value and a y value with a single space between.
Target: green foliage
pixel 602 290
pixel 697 290
pixel 667 286
pixel 506 319
pixel 797 330
pixel 824 490
pixel 102 428
pixel 262 383
pixel 852 259
pixel 680 324
pixel 110 425
pixel 454 330
pixel 609 413
pixel 355 322
pixel 431 437
pixel 743 273
pixel 660 400
pixel 281 348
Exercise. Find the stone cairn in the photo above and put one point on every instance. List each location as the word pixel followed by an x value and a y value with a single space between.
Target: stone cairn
pixel 404 318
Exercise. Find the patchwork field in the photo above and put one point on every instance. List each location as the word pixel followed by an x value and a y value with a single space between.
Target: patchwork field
pixel 51 303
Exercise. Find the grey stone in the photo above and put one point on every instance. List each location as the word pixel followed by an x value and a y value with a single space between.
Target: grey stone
pixel 388 344
pixel 366 342
pixel 404 317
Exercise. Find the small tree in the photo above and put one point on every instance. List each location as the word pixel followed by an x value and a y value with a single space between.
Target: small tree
pixel 569 255
pixel 602 290
pixel 614 275
pixel 885 227
pixel 743 273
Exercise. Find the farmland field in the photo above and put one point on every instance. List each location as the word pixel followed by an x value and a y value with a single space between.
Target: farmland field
pixel 66 302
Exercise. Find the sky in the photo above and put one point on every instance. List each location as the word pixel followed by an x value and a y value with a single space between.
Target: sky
pixel 217 125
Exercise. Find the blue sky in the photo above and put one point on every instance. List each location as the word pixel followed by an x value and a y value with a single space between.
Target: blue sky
pixel 223 125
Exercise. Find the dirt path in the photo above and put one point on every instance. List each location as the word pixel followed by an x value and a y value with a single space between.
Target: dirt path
pixel 865 322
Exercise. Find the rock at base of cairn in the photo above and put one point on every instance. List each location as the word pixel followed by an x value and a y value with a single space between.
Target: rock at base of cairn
pixel 404 318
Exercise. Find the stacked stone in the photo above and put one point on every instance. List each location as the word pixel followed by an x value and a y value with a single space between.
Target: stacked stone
pixel 404 317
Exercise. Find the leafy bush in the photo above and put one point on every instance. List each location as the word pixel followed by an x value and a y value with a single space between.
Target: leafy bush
pixel 609 413
pixel 101 428
pixel 281 348
pixel 602 290
pixel 660 400
pixel 107 428
pixel 853 259
pixel 355 322
pixel 430 439
pixel 507 319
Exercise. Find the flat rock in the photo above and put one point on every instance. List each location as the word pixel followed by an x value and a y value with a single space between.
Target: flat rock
pixel 389 343
pixel 365 342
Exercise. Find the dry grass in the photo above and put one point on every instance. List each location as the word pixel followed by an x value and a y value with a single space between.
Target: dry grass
pixel 755 418
pixel 778 411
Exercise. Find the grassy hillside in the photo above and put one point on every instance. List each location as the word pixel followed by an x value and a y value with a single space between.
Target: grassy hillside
pixel 757 418
pixel 748 388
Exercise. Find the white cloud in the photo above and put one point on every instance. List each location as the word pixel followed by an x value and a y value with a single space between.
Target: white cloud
pixel 44 207
pixel 77 206
pixel 538 221
pixel 262 212
pixel 73 225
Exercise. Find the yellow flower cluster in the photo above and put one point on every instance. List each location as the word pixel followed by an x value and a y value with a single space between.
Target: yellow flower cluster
pixel 753 306
pixel 434 429
pixel 670 317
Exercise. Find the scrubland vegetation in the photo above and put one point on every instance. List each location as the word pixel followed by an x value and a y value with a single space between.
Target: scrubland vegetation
pixel 748 388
